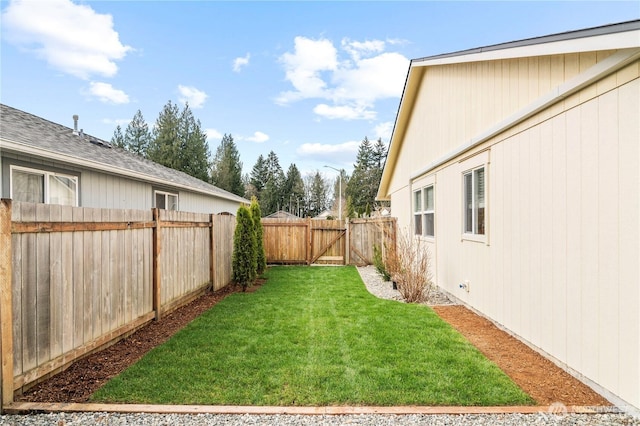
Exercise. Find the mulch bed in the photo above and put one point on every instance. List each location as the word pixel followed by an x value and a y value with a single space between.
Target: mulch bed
pixel 539 377
pixel 544 381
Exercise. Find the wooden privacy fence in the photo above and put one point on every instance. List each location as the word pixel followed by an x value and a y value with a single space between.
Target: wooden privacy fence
pixel 308 241
pixel 74 279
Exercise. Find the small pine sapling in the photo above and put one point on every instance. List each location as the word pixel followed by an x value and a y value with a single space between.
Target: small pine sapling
pixel 244 249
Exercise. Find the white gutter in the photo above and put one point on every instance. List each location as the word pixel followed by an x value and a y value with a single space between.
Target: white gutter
pixel 593 74
pixel 94 165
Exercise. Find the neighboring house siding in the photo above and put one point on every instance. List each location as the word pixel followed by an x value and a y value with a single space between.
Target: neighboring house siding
pixel 561 260
pixel 98 189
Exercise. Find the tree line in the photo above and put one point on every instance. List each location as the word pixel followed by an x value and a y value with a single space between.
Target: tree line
pixel 178 141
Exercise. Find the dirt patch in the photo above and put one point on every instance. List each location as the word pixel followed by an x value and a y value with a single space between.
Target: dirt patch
pixel 537 376
pixel 540 378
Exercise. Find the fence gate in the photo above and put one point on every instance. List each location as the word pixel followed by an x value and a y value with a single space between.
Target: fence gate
pixel 328 242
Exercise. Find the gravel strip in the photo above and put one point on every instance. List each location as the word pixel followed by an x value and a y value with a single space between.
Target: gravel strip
pixel 382 289
pixel 542 419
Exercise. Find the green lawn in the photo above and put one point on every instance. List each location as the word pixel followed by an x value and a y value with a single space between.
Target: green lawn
pixel 314 336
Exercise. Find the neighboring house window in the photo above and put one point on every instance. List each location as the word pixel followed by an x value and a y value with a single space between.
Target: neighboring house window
pixel 423 211
pixel 166 200
pixel 474 201
pixel 38 186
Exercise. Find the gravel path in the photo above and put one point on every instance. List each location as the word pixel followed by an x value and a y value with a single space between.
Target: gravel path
pixel 381 289
pixel 543 419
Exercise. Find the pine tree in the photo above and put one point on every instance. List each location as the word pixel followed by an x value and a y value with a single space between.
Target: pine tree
pixel 256 216
pixel 364 182
pixel 316 189
pixel 137 135
pixel 244 249
pixel 194 150
pixel 258 177
pixel 117 139
pixel 272 197
pixel 293 189
pixel 164 146
pixel 226 172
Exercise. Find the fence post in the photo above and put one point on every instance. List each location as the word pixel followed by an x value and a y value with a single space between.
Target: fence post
pixel 347 249
pixel 157 240
pixel 309 241
pixel 6 308
pixel 212 253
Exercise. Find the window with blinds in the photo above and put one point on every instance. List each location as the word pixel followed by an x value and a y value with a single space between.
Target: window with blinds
pixel 39 186
pixel 474 201
pixel 424 211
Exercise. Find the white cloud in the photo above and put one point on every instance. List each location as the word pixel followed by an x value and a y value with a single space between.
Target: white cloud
pixel 345 112
pixel 384 130
pixel 69 37
pixel 122 122
pixel 191 95
pixel 303 68
pixel 106 93
pixel 258 137
pixel 351 80
pixel 213 134
pixel 338 153
pixel 241 62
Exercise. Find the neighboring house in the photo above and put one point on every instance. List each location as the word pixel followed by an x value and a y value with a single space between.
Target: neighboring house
pixel 519 166
pixel 45 162
pixel 280 214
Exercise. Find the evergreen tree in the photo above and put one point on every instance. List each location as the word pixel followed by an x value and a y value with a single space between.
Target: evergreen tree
pixel 316 194
pixel 194 150
pixel 117 139
pixel 293 189
pixel 244 249
pixel 227 168
pixel 258 177
pixel 256 216
pixel 272 197
pixel 164 146
pixel 137 135
pixel 364 182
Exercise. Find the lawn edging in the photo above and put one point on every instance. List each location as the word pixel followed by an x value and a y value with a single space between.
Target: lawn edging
pixel 38 407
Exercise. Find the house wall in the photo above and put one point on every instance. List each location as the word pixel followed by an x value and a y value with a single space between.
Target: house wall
pixel 102 190
pixel 561 261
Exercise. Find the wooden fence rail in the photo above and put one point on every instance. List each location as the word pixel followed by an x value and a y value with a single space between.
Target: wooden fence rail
pixel 74 279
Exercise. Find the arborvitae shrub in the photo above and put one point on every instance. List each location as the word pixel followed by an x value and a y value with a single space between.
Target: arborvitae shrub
pixel 244 249
pixel 256 215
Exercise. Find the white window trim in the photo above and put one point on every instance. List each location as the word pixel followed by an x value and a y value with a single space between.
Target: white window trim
pixel 47 175
pixel 420 186
pixel 166 194
pixel 469 165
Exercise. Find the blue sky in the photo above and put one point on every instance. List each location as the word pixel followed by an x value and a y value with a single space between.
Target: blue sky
pixel 308 80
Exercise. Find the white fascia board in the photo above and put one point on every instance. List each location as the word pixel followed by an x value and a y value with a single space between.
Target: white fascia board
pixel 94 165
pixel 615 41
pixel 593 74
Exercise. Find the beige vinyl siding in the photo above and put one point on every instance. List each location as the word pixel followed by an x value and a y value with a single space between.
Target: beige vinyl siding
pixel 484 93
pixel 562 261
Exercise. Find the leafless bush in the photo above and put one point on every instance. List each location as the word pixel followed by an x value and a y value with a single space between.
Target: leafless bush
pixel 409 264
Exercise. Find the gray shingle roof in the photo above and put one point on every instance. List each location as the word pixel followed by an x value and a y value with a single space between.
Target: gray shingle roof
pixel 27 129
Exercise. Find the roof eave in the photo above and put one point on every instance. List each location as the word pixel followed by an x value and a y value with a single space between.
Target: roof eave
pixel 94 165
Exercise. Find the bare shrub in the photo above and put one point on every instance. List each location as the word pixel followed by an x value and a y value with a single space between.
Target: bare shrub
pixel 409 264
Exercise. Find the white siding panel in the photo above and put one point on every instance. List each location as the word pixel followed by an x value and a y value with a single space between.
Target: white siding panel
pixel 546 236
pixel 559 239
pixel 607 204
pixel 574 234
pixel 589 225
pixel 629 241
